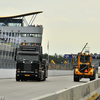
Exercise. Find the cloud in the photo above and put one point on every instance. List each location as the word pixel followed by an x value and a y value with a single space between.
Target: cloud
pixel 65 19
pixel 92 19
pixel 9 11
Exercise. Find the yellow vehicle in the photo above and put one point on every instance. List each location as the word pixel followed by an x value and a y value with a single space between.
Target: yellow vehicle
pixel 84 68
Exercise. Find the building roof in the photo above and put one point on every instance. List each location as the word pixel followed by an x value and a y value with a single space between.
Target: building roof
pixel 26 14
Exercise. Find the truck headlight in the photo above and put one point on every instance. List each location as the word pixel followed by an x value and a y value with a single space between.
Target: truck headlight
pixel 18 71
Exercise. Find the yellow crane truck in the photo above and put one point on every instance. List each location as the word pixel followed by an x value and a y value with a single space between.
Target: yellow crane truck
pixel 84 68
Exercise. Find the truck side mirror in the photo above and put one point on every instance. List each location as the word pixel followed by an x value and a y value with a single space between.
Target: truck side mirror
pixel 15 58
pixel 40 58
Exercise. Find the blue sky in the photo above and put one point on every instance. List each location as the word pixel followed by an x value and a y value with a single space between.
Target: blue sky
pixel 68 24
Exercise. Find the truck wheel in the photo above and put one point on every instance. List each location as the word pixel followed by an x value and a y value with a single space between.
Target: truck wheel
pixel 17 79
pixel 22 80
pixel 94 75
pixel 44 78
pixel 38 79
pixel 76 77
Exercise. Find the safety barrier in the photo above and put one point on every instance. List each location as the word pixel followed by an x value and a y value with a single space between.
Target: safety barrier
pixel 85 91
pixel 60 72
pixel 7 73
pixel 60 66
pixel 11 73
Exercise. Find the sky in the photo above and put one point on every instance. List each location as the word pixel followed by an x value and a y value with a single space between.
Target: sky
pixel 67 24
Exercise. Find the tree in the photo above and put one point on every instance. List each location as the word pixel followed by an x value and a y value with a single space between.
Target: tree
pixel 95 53
pixel 56 58
pixel 45 56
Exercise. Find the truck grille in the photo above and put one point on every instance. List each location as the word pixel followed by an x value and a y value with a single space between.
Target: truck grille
pixel 27 67
pixel 83 68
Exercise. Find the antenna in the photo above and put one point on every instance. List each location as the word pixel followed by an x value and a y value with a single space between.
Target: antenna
pixel 84 47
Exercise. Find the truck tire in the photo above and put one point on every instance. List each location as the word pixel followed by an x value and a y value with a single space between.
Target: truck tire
pixel 76 77
pixel 94 75
pixel 44 76
pixel 39 78
pixel 17 79
pixel 22 80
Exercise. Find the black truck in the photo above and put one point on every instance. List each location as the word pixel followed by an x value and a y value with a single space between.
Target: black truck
pixel 29 63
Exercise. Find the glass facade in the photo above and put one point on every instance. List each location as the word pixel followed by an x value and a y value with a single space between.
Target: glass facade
pixel 31 35
pixel 11 24
pixel 7 56
pixel 23 34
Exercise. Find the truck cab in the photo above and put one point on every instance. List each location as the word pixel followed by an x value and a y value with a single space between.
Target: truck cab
pixel 29 63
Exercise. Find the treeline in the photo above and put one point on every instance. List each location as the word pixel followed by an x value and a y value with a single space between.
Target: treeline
pixel 58 59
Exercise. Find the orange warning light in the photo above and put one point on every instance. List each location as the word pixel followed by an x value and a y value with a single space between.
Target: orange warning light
pixel 34 44
pixel 86 70
pixel 23 43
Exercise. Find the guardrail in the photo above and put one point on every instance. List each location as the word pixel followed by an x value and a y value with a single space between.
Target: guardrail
pixel 85 91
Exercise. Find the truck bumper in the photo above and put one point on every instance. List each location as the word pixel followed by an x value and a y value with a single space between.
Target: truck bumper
pixel 84 75
pixel 27 76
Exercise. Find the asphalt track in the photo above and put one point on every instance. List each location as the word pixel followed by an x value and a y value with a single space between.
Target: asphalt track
pixel 25 90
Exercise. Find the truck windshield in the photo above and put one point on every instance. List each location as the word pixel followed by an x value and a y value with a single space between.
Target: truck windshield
pixel 27 57
pixel 84 59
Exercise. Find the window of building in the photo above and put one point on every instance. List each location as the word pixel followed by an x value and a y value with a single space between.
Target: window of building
pixel 23 35
pixel 35 35
pixel 9 34
pixel 12 34
pixel 12 54
pixel 1 23
pixel 39 35
pixel 15 34
pixel 32 35
pixel 27 35
pixel 3 52
pixel 10 24
pixel 17 24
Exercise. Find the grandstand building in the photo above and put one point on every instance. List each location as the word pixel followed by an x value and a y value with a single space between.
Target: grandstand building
pixel 15 30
